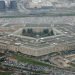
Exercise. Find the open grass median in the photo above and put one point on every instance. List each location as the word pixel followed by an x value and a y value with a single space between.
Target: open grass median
pixel 39 15
pixel 5 73
pixel 25 59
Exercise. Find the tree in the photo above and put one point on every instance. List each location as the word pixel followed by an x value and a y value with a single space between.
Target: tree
pixel 45 31
pixel 23 32
pixel 52 33
pixel 29 31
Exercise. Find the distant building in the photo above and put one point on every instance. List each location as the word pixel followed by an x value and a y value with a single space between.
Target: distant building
pixel 2 5
pixel 13 5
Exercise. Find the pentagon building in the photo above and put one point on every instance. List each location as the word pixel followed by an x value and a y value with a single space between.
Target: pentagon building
pixel 64 39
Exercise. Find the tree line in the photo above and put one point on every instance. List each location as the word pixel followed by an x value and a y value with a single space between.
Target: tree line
pixel 30 32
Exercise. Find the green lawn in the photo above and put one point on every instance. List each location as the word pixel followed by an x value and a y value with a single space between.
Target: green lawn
pixel 5 73
pixel 40 15
pixel 72 64
pixel 54 53
pixel 26 59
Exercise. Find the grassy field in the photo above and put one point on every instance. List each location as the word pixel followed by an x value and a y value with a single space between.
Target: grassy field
pixel 72 64
pixel 39 15
pixel 29 60
pixel 5 73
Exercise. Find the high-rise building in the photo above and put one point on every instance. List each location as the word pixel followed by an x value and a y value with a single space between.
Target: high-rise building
pixel 2 5
pixel 13 5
